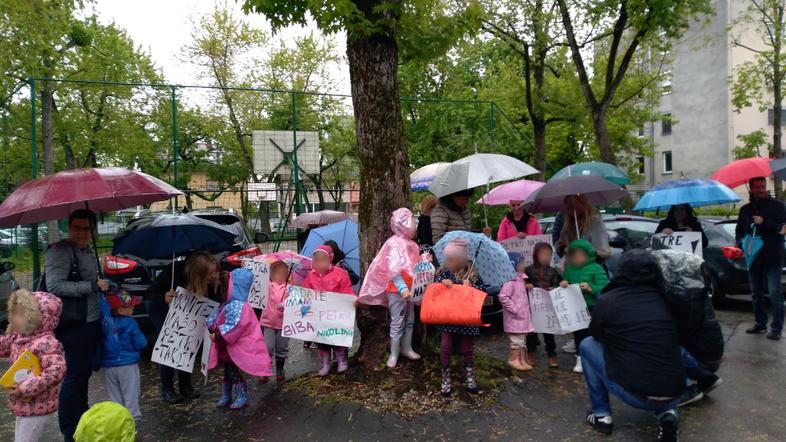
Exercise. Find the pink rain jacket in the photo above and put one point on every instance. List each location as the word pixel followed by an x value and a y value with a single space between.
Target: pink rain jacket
pixel 239 339
pixel 336 280
pixel 507 229
pixel 398 256
pixel 273 315
pixel 515 306
pixel 39 393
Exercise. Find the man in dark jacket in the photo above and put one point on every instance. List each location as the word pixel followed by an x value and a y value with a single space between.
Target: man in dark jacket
pixel 766 216
pixel 634 351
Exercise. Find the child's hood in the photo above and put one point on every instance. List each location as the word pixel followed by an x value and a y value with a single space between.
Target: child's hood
pixel 240 281
pixel 42 309
pixel 586 246
pixel 402 223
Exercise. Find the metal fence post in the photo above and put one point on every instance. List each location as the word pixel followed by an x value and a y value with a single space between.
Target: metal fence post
pixel 34 175
pixel 493 124
pixel 295 168
pixel 175 153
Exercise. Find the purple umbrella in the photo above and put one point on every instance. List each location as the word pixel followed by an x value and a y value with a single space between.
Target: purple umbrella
pixel 513 191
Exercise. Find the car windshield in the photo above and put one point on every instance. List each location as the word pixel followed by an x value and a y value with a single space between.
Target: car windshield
pixel 632 230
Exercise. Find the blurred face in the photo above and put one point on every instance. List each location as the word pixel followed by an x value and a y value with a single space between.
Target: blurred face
pixel 321 262
pixel 80 232
pixel 455 264
pixel 18 319
pixel 759 189
pixel 461 200
pixel 515 208
pixel 212 274
pixel 279 274
pixel 521 266
pixel 577 258
pixel 681 212
pixel 544 257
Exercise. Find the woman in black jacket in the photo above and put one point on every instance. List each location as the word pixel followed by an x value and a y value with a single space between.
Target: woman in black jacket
pixel 682 219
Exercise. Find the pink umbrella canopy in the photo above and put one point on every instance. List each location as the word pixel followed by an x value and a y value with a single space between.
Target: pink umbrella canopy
pixel 513 191
pixel 739 172
pixel 55 196
pixel 299 265
pixel 321 218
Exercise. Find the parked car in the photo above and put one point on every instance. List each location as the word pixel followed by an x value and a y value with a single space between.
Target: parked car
pixel 136 275
pixel 625 232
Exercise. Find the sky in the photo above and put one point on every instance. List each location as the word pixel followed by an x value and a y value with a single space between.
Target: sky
pixel 162 27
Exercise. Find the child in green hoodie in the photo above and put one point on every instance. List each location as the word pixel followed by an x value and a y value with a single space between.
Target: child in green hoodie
pixel 582 269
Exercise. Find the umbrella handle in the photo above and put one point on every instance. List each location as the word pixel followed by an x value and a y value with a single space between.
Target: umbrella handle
pixel 95 245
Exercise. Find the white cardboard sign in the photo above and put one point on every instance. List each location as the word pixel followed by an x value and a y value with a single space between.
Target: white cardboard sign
pixel 323 317
pixel 424 275
pixel 686 241
pixel 559 311
pixel 257 295
pixel 525 247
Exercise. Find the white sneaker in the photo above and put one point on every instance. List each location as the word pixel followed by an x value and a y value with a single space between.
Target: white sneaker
pixel 577 368
pixel 570 347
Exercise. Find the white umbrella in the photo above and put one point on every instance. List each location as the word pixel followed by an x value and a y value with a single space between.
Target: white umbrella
pixel 480 169
pixel 422 178
pixel 321 218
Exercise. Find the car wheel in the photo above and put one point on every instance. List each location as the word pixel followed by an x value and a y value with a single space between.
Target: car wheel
pixel 716 292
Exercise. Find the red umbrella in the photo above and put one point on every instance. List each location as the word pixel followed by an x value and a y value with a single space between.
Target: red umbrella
pixel 108 189
pixel 739 172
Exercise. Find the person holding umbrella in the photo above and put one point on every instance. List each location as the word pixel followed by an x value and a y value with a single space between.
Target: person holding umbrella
pixel 682 219
pixel 451 214
pixel 517 223
pixel 72 275
pixel 582 221
pixel 764 216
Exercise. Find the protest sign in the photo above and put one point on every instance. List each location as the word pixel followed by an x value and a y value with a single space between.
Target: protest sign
pixel 257 296
pixel 207 344
pixel 183 331
pixel 526 246
pixel 560 311
pixel 323 317
pixel 424 275
pixel 686 241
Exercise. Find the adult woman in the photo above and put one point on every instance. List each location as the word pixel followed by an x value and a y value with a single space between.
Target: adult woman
pixel 200 275
pixel 423 237
pixel 581 218
pixel 681 219
pixel 517 223
pixel 452 213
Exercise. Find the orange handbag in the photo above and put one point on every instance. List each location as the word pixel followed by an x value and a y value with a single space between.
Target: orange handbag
pixel 455 305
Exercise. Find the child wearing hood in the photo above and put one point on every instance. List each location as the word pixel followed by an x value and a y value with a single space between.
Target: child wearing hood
pixel 272 318
pixel 458 269
pixel 237 341
pixel 389 280
pixel 326 277
pixel 582 269
pixel 516 318
pixel 32 319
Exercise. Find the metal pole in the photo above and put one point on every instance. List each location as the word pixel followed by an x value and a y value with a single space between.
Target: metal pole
pixel 34 175
pixel 295 170
pixel 493 124
pixel 174 140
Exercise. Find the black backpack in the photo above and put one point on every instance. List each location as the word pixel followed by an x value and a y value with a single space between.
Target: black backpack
pixel 74 311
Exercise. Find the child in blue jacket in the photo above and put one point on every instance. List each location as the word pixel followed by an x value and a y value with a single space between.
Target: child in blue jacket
pixel 120 357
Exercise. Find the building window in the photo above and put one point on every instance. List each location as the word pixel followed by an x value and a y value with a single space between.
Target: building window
pixel 667 162
pixel 641 131
pixel 666 125
pixel 640 164
pixel 666 83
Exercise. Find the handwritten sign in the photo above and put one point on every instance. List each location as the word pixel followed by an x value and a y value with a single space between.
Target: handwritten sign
pixel 525 247
pixel 257 296
pixel 207 344
pixel 183 331
pixel 559 311
pixel 686 241
pixel 323 317
pixel 424 275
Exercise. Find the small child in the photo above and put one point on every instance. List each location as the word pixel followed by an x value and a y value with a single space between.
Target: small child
pixel 542 275
pixel 389 280
pixel 582 269
pixel 326 277
pixel 272 318
pixel 106 421
pixel 458 269
pixel 120 356
pixel 516 318
pixel 32 320
pixel 237 341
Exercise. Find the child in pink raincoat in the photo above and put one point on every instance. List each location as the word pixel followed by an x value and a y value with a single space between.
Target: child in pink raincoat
pixel 32 320
pixel 389 280
pixel 272 318
pixel 326 277
pixel 237 341
pixel 516 318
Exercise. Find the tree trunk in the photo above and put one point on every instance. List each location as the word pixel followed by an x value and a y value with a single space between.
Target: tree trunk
pixel 602 135
pixel 777 117
pixel 48 149
pixel 539 136
pixel 384 166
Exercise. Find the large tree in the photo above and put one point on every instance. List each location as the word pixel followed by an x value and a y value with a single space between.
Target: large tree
pixel 620 28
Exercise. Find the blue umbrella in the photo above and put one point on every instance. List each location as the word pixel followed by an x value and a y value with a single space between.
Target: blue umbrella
pixel 491 260
pixel 345 234
pixel 697 192
pixel 173 234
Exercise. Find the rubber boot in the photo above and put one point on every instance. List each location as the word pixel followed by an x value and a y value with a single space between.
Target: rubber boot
pixel 406 346
pixel 226 395
pixel 394 352
pixel 280 369
pixel 514 360
pixel 472 383
pixel 241 397
pixel 523 360
pixel 446 388
pixel 325 355
pixel 341 356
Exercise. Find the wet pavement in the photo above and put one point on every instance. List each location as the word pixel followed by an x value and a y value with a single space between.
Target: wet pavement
pixel 544 405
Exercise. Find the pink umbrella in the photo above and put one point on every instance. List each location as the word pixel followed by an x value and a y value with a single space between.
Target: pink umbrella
pixel 299 265
pixel 55 196
pixel 739 172
pixel 513 191
pixel 321 218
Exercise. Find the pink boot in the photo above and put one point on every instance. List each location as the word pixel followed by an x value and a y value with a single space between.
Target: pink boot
pixel 341 356
pixel 325 355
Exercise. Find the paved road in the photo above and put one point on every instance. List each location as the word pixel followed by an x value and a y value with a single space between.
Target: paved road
pixel 542 406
